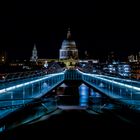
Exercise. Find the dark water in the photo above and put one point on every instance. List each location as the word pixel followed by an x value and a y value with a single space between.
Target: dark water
pixel 73 107
pixel 76 94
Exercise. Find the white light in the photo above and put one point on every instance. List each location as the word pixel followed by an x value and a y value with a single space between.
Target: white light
pixel 2 90
pixel 10 88
pixel 31 82
pixel 111 81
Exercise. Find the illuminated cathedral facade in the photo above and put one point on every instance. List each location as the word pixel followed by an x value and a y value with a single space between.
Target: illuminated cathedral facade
pixel 68 48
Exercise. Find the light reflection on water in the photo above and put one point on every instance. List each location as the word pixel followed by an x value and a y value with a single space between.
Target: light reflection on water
pixel 83 95
pixel 94 94
pixel 67 95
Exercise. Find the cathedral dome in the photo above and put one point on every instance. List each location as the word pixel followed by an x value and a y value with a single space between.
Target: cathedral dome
pixel 68 48
pixel 68 44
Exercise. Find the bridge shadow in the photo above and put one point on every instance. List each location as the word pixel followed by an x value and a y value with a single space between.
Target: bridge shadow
pixel 71 123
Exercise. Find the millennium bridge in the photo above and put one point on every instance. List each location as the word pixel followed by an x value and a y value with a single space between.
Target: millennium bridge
pixel 22 91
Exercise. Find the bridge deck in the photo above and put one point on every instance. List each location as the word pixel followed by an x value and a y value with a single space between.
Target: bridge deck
pixel 116 88
pixel 71 123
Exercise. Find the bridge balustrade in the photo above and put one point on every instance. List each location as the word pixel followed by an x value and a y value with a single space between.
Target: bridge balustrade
pixel 22 93
pixel 72 75
pixel 124 90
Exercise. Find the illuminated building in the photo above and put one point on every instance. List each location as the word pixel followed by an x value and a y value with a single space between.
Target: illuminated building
pixel 124 70
pixel 34 54
pixel 68 49
pixel 3 57
pixel 132 58
pixel 42 62
pixel 135 70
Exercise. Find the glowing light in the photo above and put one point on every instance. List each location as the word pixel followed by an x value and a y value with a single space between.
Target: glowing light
pixel 83 90
pixel 111 81
pixel 2 90
pixel 31 82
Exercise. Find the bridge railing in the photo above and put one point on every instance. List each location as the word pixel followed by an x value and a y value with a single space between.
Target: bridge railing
pixel 7 77
pixel 72 75
pixel 127 91
pixel 22 93
pixel 32 111
pixel 100 104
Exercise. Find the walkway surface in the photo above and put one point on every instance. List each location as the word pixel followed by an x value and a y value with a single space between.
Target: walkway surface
pixel 70 122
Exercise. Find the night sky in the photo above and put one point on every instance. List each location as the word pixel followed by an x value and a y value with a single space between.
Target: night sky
pixel 97 28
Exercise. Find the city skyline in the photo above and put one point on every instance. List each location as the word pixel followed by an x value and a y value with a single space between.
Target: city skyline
pixel 48 45
pixel 36 23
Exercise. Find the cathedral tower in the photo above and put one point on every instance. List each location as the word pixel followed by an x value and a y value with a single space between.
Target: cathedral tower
pixel 34 54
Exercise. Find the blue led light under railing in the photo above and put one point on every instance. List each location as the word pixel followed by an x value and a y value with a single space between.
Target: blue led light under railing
pixel 115 78
pixel 111 81
pixel 31 82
